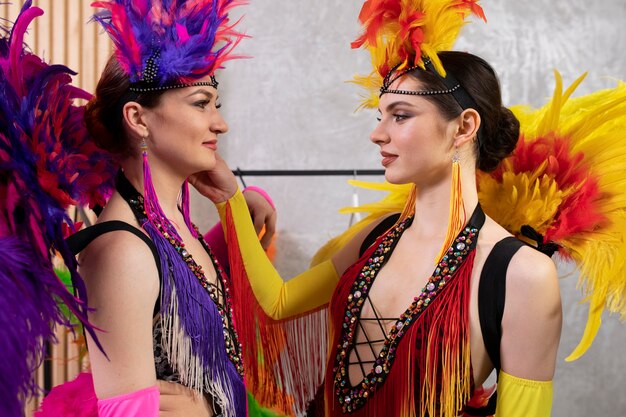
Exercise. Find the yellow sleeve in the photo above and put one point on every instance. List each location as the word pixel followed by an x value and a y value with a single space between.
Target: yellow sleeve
pixel 279 299
pixel 519 397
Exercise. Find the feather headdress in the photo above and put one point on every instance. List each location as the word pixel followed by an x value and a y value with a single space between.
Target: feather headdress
pixel 401 34
pixel 164 43
pixel 47 163
pixel 564 184
pixel 566 180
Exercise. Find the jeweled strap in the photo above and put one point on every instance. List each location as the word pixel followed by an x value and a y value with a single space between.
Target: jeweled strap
pixel 130 194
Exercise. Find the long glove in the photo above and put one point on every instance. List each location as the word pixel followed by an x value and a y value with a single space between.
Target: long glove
pixel 279 299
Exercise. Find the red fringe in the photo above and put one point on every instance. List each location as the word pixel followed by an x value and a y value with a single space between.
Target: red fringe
pixel 433 354
pixel 284 360
pixel 579 211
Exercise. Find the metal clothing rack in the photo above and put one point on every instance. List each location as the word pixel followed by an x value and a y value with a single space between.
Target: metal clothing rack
pixel 304 173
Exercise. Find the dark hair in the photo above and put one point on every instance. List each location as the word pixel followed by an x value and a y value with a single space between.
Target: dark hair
pixel 499 130
pixel 103 113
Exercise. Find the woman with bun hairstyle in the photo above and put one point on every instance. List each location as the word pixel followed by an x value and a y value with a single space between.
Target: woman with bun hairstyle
pixel 433 299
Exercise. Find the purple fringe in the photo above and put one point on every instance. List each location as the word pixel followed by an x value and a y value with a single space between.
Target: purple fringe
pixel 197 312
pixel 184 206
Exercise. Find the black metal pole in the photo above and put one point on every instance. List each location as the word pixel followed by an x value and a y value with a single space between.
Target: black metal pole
pixel 306 172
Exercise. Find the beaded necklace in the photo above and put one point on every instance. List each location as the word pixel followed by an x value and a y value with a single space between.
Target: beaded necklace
pixel 353 397
pixel 224 306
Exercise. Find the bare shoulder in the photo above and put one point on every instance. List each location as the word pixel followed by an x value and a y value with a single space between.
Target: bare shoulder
pixel 119 258
pixel 122 283
pixel 116 255
pixel 533 274
pixel 531 326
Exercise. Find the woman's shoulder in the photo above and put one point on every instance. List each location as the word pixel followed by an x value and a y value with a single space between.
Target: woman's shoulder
pixel 531 276
pixel 526 264
pixel 118 252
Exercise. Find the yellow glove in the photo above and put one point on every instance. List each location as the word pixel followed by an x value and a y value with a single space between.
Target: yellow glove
pixel 519 397
pixel 279 299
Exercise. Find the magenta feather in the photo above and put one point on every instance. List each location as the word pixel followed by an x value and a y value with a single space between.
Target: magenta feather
pixel 47 162
pixel 181 36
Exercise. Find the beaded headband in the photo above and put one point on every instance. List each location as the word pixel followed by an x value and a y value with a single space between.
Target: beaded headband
pixel 453 87
pixel 146 88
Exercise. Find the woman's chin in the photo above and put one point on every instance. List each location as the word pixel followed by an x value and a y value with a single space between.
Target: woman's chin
pixel 394 178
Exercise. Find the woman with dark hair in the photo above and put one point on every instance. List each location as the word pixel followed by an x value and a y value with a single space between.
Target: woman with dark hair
pixel 155 288
pixel 418 319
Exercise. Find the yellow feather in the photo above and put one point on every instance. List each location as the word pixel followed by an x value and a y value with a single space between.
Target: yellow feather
pixel 393 203
pixel 595 126
pixel 440 22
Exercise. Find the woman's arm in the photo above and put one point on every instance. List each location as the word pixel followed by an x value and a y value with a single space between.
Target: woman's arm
pixel 531 329
pixel 302 293
pixel 122 286
pixel 263 214
pixel 278 299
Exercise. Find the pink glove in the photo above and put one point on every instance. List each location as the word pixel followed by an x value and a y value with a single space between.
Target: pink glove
pixel 261 191
pixel 142 403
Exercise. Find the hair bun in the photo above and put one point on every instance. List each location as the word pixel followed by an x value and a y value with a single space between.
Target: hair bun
pixel 497 145
pixel 94 121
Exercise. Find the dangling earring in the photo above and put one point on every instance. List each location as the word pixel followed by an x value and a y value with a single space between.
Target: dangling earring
pixel 151 204
pixel 457 216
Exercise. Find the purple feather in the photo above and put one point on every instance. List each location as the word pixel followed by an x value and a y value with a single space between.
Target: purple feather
pixel 47 162
pixel 28 304
pixel 182 35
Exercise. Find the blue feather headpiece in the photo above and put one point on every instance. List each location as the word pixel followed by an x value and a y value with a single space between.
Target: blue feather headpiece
pixel 164 44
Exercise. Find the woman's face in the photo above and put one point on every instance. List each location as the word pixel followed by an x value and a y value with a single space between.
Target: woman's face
pixel 184 128
pixel 415 141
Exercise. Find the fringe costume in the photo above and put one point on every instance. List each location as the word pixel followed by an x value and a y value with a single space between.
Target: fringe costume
pixel 299 362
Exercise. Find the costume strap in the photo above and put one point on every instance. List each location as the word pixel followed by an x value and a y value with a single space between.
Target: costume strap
pixel 492 293
pixel 80 240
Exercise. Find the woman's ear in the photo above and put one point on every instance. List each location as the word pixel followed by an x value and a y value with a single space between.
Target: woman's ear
pixel 469 122
pixel 133 115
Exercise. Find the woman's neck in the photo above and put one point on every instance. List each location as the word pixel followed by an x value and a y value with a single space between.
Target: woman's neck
pixel 432 204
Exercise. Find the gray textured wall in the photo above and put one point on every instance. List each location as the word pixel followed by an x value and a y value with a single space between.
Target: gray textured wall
pixel 290 108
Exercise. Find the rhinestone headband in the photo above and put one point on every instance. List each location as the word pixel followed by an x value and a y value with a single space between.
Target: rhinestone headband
pixel 452 87
pixel 143 87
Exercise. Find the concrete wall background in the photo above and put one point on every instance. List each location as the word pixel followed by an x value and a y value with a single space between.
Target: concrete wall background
pixel 290 108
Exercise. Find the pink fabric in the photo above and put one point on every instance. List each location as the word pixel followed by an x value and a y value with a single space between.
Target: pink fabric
pixel 216 241
pixel 75 398
pixel 142 403
pixel 262 192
